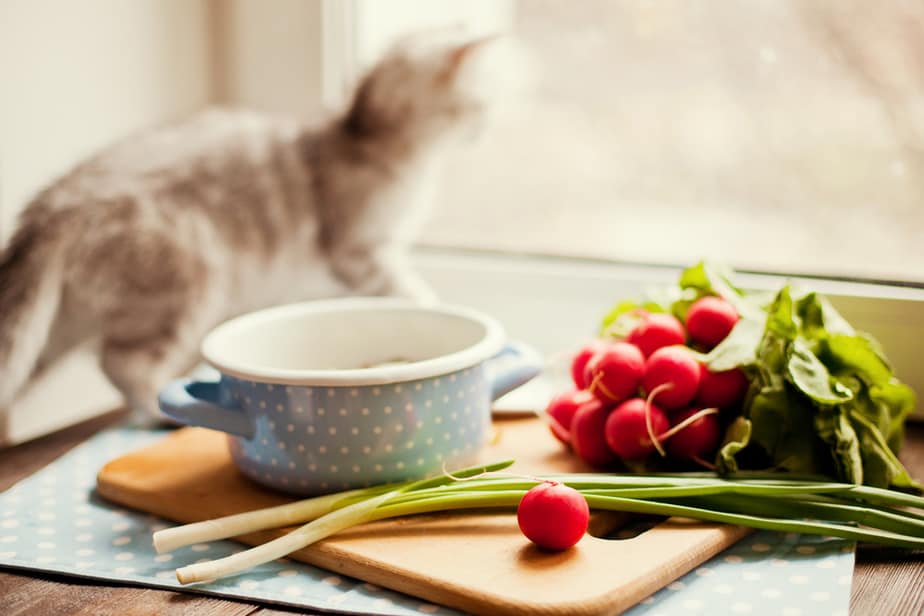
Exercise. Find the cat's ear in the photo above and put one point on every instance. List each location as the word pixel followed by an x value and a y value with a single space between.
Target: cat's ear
pixel 459 55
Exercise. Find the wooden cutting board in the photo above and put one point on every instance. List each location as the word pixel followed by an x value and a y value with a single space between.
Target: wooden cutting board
pixel 477 562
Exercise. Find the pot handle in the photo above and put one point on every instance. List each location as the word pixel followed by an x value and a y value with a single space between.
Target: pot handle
pixel 198 403
pixel 516 364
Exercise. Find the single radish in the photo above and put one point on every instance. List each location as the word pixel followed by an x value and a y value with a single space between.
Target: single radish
pixel 553 516
pixel 614 373
pixel 627 429
pixel 710 319
pixel 721 389
pixel 579 362
pixel 697 440
pixel 561 410
pixel 587 436
pixel 656 330
pixel 674 373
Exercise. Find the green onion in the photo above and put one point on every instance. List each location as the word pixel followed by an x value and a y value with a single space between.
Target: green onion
pixel 859 513
pixel 322 527
pixel 298 512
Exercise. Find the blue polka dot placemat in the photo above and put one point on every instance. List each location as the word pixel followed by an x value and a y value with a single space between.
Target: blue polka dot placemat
pixel 54 522
pixel 764 573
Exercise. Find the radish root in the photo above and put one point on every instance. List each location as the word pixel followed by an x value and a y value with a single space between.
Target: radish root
pixel 703 463
pixel 597 383
pixel 686 422
pixel 655 440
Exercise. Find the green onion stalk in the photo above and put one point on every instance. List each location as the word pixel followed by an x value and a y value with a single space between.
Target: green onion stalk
pixel 854 512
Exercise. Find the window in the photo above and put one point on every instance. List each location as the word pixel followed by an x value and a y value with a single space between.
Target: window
pixel 780 136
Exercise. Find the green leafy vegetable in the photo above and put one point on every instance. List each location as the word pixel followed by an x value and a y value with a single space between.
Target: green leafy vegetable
pixel 823 397
pixel 811 376
pixel 739 348
pixel 833 426
pixel 624 316
pixel 737 437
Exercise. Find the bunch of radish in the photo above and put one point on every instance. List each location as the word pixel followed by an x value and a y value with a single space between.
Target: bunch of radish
pixel 647 393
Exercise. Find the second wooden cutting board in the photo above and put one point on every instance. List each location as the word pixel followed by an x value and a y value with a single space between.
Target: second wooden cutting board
pixel 477 562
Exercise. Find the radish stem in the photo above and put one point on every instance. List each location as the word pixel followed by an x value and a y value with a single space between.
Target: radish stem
pixel 703 463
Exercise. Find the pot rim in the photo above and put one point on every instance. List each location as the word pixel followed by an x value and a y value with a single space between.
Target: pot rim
pixel 489 345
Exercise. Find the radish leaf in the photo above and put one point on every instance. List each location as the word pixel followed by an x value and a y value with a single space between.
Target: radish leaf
pixel 739 349
pixel 811 376
pixel 737 437
pixel 833 426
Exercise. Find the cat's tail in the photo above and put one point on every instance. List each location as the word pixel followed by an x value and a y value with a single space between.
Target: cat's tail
pixel 30 292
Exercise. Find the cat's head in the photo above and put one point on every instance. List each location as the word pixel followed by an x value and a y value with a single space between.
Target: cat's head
pixel 423 88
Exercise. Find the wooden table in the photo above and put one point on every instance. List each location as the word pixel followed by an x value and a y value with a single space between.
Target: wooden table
pixel 885 582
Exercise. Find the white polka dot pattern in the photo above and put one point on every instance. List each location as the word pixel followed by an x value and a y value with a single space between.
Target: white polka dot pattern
pixel 765 573
pixel 350 437
pixel 78 534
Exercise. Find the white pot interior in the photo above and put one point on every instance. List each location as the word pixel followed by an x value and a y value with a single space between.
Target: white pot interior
pixel 356 341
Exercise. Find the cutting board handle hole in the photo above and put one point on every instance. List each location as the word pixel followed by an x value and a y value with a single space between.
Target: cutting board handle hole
pixel 620 526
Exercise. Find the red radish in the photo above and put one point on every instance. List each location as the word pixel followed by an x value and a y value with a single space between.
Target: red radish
pixel 553 516
pixel 721 388
pixel 710 319
pixel 656 330
pixel 579 363
pixel 561 412
pixel 626 429
pixel 587 436
pixel 696 441
pixel 614 373
pixel 676 372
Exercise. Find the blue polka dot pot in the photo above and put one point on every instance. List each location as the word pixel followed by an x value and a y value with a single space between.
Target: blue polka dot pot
pixel 338 394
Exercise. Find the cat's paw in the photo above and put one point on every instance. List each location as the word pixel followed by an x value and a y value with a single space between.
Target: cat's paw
pixel 417 290
pixel 149 417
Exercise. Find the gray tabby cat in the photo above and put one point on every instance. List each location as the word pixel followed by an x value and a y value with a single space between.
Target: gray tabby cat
pixel 155 241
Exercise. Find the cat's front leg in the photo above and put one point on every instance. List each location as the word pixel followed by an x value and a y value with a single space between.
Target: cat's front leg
pixel 408 283
pixel 382 273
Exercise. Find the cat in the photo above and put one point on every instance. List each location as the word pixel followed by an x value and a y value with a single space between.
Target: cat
pixel 150 244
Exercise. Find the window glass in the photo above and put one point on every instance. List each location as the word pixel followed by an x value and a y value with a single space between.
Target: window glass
pixel 774 135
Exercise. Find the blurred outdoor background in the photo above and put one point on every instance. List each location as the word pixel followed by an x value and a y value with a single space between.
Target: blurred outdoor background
pixel 781 135
pixel 776 135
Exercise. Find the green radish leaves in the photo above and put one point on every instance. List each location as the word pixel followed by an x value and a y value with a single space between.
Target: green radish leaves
pixel 833 426
pixel 833 405
pixel 838 408
pixel 823 399
pixel 811 376
pixel 737 437
pixel 739 349
pixel 710 279
pixel 624 316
